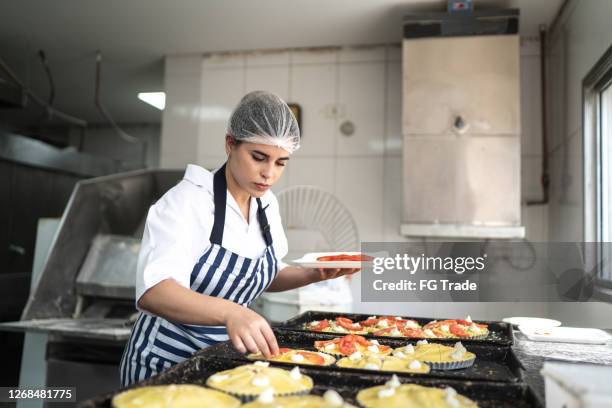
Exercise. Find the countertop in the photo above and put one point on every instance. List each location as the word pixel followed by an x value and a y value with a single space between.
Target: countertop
pixel 533 354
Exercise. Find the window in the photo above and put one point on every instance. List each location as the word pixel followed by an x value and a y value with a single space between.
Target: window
pixel 597 87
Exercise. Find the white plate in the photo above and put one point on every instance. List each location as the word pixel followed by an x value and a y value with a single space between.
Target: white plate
pixel 566 335
pixel 532 322
pixel 310 261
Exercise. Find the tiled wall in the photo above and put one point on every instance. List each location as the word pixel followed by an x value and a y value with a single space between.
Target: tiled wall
pixel 364 170
pixel 582 36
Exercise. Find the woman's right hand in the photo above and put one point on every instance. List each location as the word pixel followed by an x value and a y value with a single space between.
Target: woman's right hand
pixel 248 331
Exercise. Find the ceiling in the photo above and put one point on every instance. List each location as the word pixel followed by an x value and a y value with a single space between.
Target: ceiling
pixel 134 35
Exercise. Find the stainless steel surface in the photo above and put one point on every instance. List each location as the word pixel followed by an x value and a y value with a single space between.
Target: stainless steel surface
pixel 32 152
pixel 103 329
pixel 86 288
pixel 461 181
pixel 109 269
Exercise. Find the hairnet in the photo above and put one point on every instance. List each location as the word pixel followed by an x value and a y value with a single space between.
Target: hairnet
pixel 263 117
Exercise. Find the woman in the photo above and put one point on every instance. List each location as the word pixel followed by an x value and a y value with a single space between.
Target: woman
pixel 214 243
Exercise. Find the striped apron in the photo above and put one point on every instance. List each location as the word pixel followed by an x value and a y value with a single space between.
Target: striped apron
pixel 155 343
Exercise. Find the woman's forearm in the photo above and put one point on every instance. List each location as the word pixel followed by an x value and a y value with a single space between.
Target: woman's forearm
pixel 292 277
pixel 176 303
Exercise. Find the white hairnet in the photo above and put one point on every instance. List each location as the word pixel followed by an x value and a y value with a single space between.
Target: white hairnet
pixel 263 117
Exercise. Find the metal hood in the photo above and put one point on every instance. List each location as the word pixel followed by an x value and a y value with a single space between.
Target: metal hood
pixel 461 127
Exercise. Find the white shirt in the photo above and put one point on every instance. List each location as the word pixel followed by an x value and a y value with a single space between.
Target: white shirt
pixel 178 226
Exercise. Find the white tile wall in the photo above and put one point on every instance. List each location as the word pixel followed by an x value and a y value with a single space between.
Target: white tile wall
pixel 180 119
pixel 361 93
pixel 313 87
pixel 312 171
pixel 273 78
pixel 221 91
pixel 359 187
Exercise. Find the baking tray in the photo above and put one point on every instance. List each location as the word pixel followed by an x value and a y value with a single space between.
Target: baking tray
pixel 500 333
pixel 198 368
pixel 492 363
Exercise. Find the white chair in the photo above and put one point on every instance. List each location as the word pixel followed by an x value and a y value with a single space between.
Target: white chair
pixel 314 221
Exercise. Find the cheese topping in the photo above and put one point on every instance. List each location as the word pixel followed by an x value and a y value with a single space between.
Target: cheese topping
pixel 330 346
pixel 332 398
pixel 314 323
pixel 386 392
pixel 355 356
pixel 219 377
pixel 394 382
pixel 375 342
pixel 414 365
pixel 411 324
pixel 399 354
pixel 398 318
pixel 295 373
pixel 266 396
pixel 428 333
pixel 421 342
pixel 445 328
pixel 383 323
pixel 410 348
pixel 373 348
pixel 297 358
pixel 395 332
pixel 459 351
pixel 469 318
pixel 371 366
pixel 260 381
pixel 451 398
pixel 262 363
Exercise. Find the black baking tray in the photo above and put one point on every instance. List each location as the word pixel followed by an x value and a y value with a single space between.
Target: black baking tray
pixel 198 368
pixel 500 333
pixel 492 363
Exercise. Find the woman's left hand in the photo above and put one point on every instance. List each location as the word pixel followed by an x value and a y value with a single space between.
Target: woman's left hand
pixel 322 274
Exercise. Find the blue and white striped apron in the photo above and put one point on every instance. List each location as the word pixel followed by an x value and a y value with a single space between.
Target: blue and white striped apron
pixel 155 343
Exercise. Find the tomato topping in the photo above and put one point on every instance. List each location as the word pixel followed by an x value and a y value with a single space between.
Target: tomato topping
pixel 457 330
pixel 464 322
pixel 322 325
pixel 369 322
pixel 312 357
pixel 345 257
pixel 408 332
pixel 383 332
pixel 347 323
pixel 283 350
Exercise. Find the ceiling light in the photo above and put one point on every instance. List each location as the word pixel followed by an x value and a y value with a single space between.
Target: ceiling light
pixel 157 99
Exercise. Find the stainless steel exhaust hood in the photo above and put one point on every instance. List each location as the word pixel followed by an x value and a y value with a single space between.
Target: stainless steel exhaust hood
pixel 461 127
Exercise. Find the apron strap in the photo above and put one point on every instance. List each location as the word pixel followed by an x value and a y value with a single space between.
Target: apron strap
pixel 263 223
pixel 220 199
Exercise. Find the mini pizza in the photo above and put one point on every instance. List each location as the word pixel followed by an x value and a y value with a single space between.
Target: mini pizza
pixel 296 356
pixel 350 344
pixel 457 328
pixel 345 257
pixel 388 326
pixel 338 325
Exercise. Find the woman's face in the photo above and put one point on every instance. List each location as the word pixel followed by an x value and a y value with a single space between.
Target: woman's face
pixel 255 167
